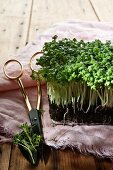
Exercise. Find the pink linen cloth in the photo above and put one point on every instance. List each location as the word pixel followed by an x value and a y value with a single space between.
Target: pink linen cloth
pixel 97 140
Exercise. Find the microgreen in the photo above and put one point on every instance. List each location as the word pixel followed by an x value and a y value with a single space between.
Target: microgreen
pixel 79 70
pixel 28 141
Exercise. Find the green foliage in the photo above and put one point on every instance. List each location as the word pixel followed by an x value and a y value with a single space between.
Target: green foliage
pixel 28 140
pixel 66 61
pixel 71 60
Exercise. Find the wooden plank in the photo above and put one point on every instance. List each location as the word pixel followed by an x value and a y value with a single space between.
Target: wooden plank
pixel 67 160
pixel 14 25
pixel 5 150
pixel 47 12
pixel 108 165
pixel 59 160
pixel 86 162
pixel 19 162
pixel 104 9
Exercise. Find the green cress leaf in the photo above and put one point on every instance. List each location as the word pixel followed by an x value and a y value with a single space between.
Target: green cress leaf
pixel 28 141
pixel 66 61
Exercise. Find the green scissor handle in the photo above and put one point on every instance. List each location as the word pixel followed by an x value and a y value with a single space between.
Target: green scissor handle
pixel 35 119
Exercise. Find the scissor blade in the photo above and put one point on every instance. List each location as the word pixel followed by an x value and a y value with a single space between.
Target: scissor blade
pixel 46 150
pixel 35 119
pixel 32 157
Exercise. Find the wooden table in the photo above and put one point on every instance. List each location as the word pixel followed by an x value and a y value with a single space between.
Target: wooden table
pixel 20 20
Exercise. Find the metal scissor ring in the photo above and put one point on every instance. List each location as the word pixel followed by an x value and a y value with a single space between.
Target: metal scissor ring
pixel 30 63
pixel 13 77
pixel 38 81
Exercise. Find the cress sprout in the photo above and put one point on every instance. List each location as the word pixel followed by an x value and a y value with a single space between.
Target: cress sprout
pixel 78 71
pixel 28 142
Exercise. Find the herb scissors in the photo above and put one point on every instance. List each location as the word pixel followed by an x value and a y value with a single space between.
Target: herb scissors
pixel 34 113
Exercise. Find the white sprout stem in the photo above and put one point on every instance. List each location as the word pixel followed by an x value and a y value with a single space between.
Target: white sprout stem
pixel 79 92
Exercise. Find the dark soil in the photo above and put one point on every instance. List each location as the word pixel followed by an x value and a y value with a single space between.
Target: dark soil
pixel 96 114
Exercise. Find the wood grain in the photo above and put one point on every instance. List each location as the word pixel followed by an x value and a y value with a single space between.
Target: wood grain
pixel 86 162
pixel 17 161
pixel 104 9
pixel 14 25
pixel 5 150
pixel 107 165
pixel 60 160
pixel 19 22
pixel 47 12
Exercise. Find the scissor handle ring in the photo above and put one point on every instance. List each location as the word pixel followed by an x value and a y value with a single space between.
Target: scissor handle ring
pixel 30 63
pixel 5 72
